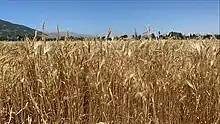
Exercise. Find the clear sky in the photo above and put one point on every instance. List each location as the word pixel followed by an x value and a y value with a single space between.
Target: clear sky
pixel 96 16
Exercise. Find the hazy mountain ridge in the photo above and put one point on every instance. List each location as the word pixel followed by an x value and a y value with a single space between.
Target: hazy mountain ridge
pixel 12 30
pixel 63 34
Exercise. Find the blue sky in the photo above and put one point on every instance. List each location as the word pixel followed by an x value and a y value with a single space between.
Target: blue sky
pixel 96 16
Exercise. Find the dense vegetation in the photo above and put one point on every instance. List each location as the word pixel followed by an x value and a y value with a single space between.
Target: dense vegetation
pixel 128 82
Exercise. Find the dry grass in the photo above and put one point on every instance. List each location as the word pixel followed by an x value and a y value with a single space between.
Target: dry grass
pixel 136 82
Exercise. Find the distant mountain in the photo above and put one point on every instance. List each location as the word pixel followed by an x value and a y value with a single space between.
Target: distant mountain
pixel 11 30
pixel 63 33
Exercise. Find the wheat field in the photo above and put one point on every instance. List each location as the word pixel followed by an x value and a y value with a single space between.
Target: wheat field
pixel 114 82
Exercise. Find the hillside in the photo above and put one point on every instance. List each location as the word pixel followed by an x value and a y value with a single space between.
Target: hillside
pixel 11 30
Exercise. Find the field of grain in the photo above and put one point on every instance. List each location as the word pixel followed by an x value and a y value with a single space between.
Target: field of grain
pixel 116 82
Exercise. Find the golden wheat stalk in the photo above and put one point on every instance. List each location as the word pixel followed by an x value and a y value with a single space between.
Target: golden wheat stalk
pixel 35 35
pixel 58 32
pixel 67 35
pixel 43 32
pixel 108 33
pixel 149 32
